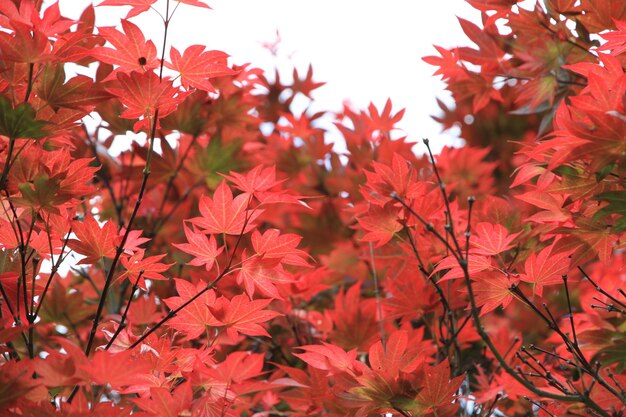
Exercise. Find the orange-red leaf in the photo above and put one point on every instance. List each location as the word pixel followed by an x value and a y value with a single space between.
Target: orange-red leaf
pixel 203 249
pixel 143 94
pixel 131 51
pixel 273 246
pixel 545 268
pixel 225 214
pixel 149 267
pixel 196 66
pixel 439 391
pixel 491 290
pixel 241 315
pixel 93 241
pixel 491 239
pixel 137 6
pixel 195 319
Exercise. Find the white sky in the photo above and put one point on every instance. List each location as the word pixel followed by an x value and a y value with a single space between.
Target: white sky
pixel 365 50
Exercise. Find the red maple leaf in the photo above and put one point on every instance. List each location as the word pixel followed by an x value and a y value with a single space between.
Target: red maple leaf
pixel 203 249
pixel 24 45
pixel 143 93
pixel 164 403
pixel 381 223
pixel 255 275
pixel 273 246
pixel 384 122
pixel 225 214
pixel 195 319
pixel 117 369
pixel 491 239
pixel 546 268
pixel 305 85
pixel 439 390
pixel 139 267
pixel 137 6
pixel 616 40
pixel 491 290
pixel 196 66
pixel 328 357
pixel 256 180
pixel 94 242
pixel 242 315
pixel 195 3
pixel 131 51
pixel 395 357
pixel 238 367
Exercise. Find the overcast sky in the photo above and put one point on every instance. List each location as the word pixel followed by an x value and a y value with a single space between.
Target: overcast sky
pixel 365 50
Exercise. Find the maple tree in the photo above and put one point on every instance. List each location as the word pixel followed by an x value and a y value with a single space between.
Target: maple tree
pixel 220 269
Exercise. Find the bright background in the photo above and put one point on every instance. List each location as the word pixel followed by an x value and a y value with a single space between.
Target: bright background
pixel 364 50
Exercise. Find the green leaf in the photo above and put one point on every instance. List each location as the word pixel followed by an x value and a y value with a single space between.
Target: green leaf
pixel 615 353
pixel 218 157
pixel 19 122
pixel 605 171
pixel 617 205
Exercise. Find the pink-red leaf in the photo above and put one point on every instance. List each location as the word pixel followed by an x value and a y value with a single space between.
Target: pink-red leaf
pixel 131 51
pixel 203 249
pixel 225 214
pixel 93 241
pixel 491 239
pixel 241 315
pixel 196 66
pixel 545 268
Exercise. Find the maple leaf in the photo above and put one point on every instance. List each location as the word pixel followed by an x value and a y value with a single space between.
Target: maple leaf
pixel 19 121
pixel 491 239
pixel 132 52
pixel 195 319
pixel 398 178
pixel 78 92
pixel 393 358
pixel 475 263
pixel 241 315
pixel 16 383
pixel 25 45
pixel 552 205
pixel 117 369
pixel 203 249
pixel 492 290
pixel 137 6
pixel 448 63
pixel 546 268
pixel 273 246
pixel 223 214
pixel 258 179
pixel 381 224
pixel 489 50
pixel 329 357
pixel 149 267
pixel 616 40
pixel 196 66
pixel 256 275
pixel 8 238
pixel 384 122
pixel 305 85
pixel 196 3
pixel 143 94
pixel 133 241
pixel 439 390
pixel 94 242
pixel 602 14
pixel 239 366
pixel 164 403
pixel 538 91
